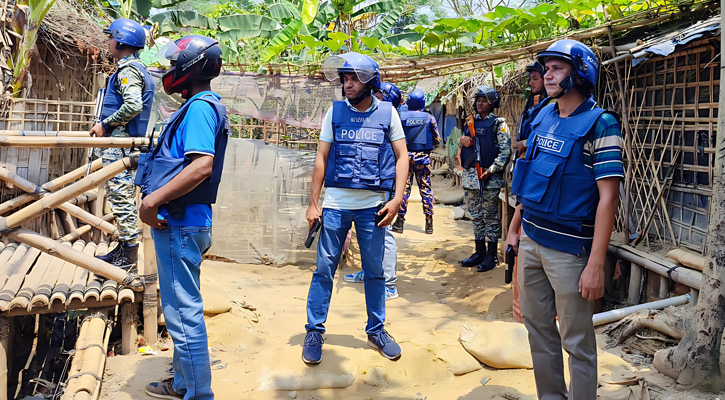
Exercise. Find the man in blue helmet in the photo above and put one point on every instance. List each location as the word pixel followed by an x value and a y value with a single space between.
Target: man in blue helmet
pixel 568 187
pixel 421 135
pixel 488 150
pixel 536 101
pixel 361 158
pixel 390 93
pixel 179 180
pixel 125 113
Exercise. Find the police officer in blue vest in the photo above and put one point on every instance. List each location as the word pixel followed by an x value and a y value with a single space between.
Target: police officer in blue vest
pixel 390 93
pixel 491 146
pixel 536 101
pixel 361 158
pixel 421 134
pixel 126 111
pixel 568 187
pixel 179 180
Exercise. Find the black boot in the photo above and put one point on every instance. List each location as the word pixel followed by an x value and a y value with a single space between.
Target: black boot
pixel 398 225
pixel 429 224
pixel 124 255
pixel 491 260
pixel 477 257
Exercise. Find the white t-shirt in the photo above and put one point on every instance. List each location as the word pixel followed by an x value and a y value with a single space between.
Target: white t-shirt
pixel 357 199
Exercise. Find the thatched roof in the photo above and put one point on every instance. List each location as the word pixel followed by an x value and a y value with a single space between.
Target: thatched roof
pixel 72 34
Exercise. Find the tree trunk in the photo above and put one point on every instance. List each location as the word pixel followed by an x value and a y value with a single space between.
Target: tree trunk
pixel 696 360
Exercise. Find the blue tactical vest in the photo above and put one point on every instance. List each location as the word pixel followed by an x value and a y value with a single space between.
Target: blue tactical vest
pixel 552 181
pixel 527 117
pixel 113 100
pixel 418 135
pixel 361 156
pixel 157 167
pixel 486 138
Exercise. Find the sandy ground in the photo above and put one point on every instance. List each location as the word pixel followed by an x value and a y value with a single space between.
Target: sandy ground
pixel 262 349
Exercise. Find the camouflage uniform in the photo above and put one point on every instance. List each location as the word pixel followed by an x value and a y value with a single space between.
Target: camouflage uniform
pixel 486 218
pixel 120 190
pixel 419 165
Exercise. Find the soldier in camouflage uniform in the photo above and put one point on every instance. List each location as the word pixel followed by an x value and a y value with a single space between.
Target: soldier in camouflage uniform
pixel 421 131
pixel 494 146
pixel 126 109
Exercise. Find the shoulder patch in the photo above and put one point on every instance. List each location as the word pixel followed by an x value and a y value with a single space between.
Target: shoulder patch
pixel 124 81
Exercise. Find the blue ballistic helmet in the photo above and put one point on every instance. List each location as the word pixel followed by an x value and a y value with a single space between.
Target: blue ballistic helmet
pixel 364 67
pixel 127 32
pixel 584 62
pixel 416 100
pixel 489 93
pixel 391 93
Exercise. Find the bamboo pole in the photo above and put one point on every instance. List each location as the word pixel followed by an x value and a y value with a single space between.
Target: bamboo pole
pixel 149 271
pixel 71 176
pixel 15 203
pixel 84 198
pixel 7 132
pixel 86 261
pixel 53 200
pixel 72 236
pixel 628 140
pixel 74 142
pixel 4 351
pixel 90 219
pixel 69 208
pixel 129 331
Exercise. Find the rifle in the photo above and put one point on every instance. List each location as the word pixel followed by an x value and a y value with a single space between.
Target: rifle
pixel 96 119
pixel 479 169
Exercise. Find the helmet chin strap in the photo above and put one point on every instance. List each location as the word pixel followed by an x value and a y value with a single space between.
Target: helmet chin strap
pixel 365 94
pixel 567 85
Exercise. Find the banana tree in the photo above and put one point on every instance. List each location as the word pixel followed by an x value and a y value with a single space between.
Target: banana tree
pixel 27 17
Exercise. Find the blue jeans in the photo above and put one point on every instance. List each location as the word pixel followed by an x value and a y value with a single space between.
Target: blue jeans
pixel 371 239
pixel 178 254
pixel 390 259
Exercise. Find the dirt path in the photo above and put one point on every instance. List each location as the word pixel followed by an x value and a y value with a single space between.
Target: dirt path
pixel 262 349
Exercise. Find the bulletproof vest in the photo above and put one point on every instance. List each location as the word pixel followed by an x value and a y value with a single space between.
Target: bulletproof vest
pixel 361 156
pixel 485 140
pixel 527 117
pixel 552 181
pixel 158 166
pixel 113 100
pixel 416 125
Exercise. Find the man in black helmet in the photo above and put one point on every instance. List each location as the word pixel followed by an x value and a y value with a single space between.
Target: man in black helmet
pixel 179 180
pixel 486 147
pixel 536 101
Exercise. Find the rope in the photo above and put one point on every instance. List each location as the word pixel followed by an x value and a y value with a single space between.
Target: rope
pixel 93 374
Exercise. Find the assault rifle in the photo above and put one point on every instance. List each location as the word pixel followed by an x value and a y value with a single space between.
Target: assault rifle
pixel 96 119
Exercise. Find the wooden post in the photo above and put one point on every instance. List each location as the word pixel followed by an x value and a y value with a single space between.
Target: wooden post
pixel 635 280
pixel 66 253
pixel 53 200
pixel 664 287
pixel 129 320
pixel 149 271
pixel 627 140
pixel 4 360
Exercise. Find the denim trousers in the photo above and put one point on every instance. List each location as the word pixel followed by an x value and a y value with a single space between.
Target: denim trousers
pixel 178 254
pixel 371 239
pixel 390 259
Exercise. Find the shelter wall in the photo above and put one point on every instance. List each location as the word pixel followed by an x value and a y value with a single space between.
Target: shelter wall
pixel 673 104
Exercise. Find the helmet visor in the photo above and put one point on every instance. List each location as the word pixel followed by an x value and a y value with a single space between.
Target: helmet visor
pixel 168 53
pixel 333 66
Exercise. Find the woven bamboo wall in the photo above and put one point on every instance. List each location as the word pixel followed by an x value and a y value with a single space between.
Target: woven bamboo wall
pixel 673 118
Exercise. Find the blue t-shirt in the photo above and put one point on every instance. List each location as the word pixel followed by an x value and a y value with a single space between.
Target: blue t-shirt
pixel 195 135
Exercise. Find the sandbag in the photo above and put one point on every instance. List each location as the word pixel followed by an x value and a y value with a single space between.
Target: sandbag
pixel 460 360
pixel 499 344
pixel 215 302
pixel 449 195
pixel 691 260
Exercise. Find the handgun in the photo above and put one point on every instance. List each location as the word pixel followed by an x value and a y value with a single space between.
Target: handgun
pixel 510 262
pixel 313 232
